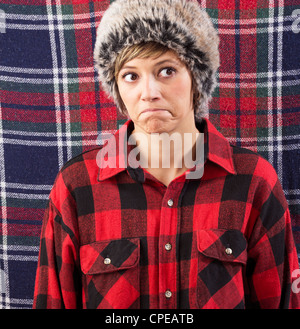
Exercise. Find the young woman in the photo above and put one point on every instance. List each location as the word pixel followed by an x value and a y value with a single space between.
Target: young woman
pixel 148 234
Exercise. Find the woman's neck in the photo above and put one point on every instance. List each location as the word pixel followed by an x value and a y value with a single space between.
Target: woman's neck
pixel 166 155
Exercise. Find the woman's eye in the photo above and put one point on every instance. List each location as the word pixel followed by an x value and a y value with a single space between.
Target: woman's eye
pixel 130 77
pixel 168 71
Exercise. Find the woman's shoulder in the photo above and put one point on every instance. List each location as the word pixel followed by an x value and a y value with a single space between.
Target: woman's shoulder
pixel 248 162
pixel 81 159
pixel 79 171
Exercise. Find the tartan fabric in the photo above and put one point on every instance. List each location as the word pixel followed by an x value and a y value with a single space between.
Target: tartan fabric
pixel 112 239
pixel 52 107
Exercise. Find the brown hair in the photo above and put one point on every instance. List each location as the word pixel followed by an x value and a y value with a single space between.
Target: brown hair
pixel 143 50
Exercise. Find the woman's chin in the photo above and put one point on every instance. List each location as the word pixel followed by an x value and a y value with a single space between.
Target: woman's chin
pixel 157 125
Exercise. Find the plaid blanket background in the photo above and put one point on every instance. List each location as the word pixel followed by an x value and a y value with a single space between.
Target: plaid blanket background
pixel 52 107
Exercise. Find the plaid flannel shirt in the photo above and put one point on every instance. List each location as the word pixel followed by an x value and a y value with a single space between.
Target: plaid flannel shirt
pixel 118 238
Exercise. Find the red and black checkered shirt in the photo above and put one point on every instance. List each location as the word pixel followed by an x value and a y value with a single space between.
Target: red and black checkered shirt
pixel 118 238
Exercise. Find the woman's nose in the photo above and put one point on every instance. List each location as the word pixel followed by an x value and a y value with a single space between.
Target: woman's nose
pixel 150 89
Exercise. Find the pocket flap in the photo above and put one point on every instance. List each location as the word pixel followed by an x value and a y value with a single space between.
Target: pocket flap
pixel 109 256
pixel 225 245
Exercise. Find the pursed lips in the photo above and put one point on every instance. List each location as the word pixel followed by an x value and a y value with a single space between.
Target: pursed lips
pixel 150 111
pixel 153 110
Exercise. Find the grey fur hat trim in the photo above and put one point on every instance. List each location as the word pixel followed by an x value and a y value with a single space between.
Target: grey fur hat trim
pixel 181 25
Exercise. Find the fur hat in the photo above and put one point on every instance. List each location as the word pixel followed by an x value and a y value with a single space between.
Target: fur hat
pixel 181 25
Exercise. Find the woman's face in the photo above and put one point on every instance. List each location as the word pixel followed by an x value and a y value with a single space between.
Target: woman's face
pixel 157 93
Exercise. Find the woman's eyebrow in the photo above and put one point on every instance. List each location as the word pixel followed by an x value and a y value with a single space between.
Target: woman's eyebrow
pixel 171 61
pixel 128 67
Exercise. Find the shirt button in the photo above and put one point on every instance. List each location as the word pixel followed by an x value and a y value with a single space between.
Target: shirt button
pixel 107 261
pixel 228 251
pixel 168 294
pixel 170 203
pixel 168 246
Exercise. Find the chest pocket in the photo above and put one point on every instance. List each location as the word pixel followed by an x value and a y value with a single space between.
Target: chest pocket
pixel 111 274
pixel 222 254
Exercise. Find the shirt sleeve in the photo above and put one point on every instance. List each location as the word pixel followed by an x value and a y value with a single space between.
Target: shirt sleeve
pixel 272 256
pixel 57 282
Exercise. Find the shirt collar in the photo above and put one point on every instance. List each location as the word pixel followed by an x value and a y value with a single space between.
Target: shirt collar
pixel 217 147
pixel 112 158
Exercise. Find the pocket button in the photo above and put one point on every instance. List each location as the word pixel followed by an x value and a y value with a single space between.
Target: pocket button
pixel 228 251
pixel 107 261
